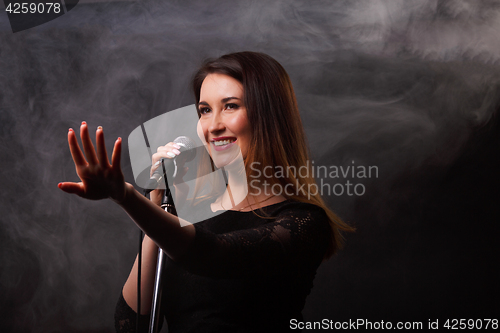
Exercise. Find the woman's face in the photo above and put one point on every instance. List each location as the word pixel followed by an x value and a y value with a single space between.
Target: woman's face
pixel 223 121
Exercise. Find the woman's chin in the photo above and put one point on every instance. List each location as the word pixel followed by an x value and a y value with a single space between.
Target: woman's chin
pixel 226 158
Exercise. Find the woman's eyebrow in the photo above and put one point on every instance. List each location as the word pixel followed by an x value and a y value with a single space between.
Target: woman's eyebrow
pixel 224 100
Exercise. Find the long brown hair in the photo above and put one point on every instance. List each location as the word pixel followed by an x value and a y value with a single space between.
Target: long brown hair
pixel 275 122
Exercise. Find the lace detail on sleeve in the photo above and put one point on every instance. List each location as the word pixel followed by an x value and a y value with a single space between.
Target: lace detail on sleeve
pixel 125 318
pixel 294 242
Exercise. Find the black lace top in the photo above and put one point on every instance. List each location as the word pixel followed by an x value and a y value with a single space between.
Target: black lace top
pixel 242 273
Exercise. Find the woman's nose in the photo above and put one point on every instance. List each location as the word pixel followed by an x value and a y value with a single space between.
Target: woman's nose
pixel 216 124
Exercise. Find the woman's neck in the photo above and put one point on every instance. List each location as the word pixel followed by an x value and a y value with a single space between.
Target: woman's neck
pixel 241 195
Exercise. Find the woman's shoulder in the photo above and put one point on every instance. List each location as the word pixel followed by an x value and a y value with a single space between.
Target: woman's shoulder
pixel 298 215
pixel 295 208
pixel 301 225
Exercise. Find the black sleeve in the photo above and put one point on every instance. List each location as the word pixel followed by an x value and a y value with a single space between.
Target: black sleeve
pixel 295 241
pixel 126 318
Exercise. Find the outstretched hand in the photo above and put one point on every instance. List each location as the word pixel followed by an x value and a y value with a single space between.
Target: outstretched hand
pixel 99 179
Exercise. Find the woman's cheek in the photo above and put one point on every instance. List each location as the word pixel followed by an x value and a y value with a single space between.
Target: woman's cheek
pixel 201 132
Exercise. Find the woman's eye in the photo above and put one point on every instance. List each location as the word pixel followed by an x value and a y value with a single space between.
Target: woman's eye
pixel 204 110
pixel 231 106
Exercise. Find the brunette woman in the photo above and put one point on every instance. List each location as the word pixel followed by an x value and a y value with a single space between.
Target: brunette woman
pixel 251 267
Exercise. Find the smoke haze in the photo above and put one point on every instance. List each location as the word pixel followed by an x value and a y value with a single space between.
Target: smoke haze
pixel 412 87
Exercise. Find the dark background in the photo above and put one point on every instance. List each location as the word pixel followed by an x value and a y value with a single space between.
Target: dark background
pixel 412 87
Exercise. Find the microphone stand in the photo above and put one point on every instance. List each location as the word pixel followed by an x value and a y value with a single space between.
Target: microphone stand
pixel 168 206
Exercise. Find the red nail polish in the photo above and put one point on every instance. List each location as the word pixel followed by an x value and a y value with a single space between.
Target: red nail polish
pixel 84 123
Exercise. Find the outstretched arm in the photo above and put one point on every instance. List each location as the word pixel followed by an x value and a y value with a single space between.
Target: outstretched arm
pixel 100 180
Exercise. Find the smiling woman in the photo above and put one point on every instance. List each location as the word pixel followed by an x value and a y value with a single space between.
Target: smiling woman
pixel 251 267
pixel 223 116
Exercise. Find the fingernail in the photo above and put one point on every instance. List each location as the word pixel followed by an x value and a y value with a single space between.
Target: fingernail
pixel 99 128
pixel 59 185
pixel 176 146
pixel 84 123
pixel 171 154
pixel 70 130
pixel 176 152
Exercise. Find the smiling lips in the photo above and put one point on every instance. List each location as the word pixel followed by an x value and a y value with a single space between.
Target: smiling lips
pixel 223 143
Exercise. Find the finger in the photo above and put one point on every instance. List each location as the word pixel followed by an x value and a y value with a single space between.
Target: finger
pixel 161 155
pixel 88 147
pixel 116 156
pixel 102 154
pixel 76 152
pixel 158 157
pixel 174 148
pixel 74 188
pixel 174 145
pixel 168 151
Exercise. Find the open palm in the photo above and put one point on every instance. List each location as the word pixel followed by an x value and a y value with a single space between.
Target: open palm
pixel 99 178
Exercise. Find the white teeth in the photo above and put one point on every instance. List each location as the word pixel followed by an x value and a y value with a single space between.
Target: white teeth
pixel 222 142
